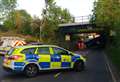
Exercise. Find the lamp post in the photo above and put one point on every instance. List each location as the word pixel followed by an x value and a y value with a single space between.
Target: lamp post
pixel 42 22
pixel 40 32
pixel 46 3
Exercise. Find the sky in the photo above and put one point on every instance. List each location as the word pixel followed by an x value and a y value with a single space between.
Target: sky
pixel 76 7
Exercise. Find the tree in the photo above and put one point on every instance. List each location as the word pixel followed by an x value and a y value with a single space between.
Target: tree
pixel 106 13
pixel 53 15
pixel 35 26
pixel 6 6
pixel 18 20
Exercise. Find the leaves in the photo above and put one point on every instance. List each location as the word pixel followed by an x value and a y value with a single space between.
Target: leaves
pixel 54 15
pixel 6 6
pixel 106 13
pixel 35 26
pixel 21 22
pixel 18 20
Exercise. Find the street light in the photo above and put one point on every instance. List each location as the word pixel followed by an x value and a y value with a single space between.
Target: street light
pixel 42 22
pixel 40 32
pixel 46 2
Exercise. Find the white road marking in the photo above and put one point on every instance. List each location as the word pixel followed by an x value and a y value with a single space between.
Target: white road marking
pixel 109 68
pixel 56 75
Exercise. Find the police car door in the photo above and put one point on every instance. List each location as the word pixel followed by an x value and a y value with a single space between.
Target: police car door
pixel 61 56
pixel 44 57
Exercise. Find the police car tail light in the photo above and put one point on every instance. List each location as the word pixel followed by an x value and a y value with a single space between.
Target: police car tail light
pixel 5 60
pixel 15 57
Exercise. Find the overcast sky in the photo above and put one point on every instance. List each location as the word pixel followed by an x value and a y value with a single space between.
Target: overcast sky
pixel 76 7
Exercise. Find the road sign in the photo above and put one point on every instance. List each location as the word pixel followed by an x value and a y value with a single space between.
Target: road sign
pixel 67 37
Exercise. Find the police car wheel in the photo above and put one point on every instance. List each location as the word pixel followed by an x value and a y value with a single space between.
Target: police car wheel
pixel 79 66
pixel 31 70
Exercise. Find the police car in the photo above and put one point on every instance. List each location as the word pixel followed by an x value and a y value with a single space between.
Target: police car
pixel 31 59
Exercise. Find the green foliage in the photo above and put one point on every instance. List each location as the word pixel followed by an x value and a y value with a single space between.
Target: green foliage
pixel 19 20
pixel 114 56
pixel 52 16
pixel 35 26
pixel 106 14
pixel 6 6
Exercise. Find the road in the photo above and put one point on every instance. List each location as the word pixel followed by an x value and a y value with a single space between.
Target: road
pixel 96 71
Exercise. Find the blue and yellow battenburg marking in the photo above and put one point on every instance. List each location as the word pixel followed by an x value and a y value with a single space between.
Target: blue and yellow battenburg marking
pixel 43 61
pixel 46 61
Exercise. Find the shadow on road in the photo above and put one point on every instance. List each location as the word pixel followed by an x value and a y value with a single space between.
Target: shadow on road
pixel 41 73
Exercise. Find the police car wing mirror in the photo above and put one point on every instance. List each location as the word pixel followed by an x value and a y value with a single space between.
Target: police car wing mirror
pixel 69 53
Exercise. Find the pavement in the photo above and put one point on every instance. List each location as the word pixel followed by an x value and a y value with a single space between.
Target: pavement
pixel 96 70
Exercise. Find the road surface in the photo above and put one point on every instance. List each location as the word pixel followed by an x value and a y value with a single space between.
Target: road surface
pixel 96 71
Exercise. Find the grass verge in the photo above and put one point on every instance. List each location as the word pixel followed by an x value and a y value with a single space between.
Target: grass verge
pixel 114 55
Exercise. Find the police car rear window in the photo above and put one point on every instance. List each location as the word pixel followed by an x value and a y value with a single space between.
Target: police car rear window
pixel 43 50
pixel 28 51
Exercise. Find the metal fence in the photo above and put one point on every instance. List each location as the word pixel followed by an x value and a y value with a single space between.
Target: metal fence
pixel 82 19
